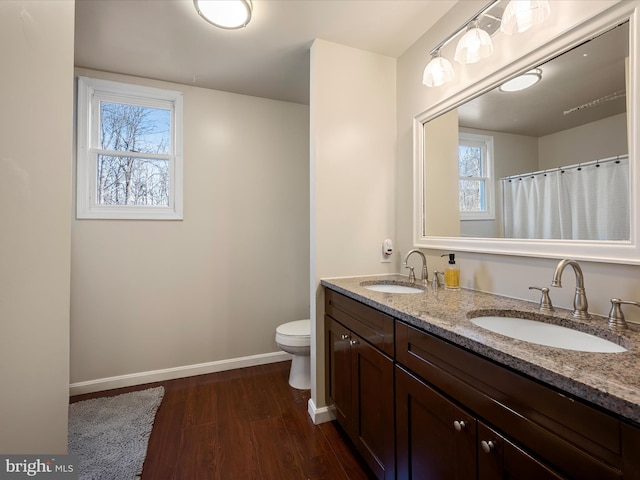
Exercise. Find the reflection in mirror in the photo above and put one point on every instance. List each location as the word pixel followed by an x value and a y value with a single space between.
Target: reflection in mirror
pixel 547 162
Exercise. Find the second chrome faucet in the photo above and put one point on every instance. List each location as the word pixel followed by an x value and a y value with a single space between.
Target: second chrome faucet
pixel 580 304
pixel 412 276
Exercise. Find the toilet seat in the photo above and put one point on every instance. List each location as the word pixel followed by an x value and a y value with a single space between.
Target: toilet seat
pixel 294 334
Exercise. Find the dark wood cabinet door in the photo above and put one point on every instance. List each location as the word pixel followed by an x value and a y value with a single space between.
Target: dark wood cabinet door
pixel 499 459
pixel 435 438
pixel 339 379
pixel 373 407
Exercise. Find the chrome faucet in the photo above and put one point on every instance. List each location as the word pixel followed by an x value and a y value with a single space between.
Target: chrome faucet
pixel 616 317
pixel 580 304
pixel 412 276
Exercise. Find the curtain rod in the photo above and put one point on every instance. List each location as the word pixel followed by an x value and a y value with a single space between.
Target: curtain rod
pixel 578 166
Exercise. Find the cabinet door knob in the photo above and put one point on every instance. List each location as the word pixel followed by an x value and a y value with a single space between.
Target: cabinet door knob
pixel 344 336
pixel 459 425
pixel 353 342
pixel 487 446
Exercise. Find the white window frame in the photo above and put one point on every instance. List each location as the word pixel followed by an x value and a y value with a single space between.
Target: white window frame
pixel 90 92
pixel 485 142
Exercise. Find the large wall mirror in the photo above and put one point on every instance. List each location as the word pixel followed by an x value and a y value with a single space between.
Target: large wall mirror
pixel 550 170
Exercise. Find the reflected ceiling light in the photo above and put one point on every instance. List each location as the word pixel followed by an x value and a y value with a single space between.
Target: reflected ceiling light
pixel 521 15
pixel 438 71
pixel 228 14
pixel 523 81
pixel 474 45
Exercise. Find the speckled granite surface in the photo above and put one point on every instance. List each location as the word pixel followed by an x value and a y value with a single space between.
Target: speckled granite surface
pixel 610 380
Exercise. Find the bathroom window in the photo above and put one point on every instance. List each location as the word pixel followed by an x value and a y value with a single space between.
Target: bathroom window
pixel 129 151
pixel 475 175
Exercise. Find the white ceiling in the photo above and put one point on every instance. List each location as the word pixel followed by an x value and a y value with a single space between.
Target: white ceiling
pixel 167 40
pixel 581 81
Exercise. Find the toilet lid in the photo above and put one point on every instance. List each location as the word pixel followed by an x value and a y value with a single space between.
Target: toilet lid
pixel 299 328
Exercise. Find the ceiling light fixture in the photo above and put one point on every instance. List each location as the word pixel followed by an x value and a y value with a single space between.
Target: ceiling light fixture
pixel 476 42
pixel 228 14
pixel 526 80
pixel 521 15
pixel 438 71
pixel 474 45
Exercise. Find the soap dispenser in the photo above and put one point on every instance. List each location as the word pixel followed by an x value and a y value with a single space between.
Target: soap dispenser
pixel 451 273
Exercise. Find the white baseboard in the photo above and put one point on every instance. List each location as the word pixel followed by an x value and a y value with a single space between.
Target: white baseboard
pixel 322 414
pixel 141 378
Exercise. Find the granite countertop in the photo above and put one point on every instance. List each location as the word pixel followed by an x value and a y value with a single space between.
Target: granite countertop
pixel 609 380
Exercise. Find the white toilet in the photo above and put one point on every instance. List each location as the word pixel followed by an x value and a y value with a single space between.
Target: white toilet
pixel 295 338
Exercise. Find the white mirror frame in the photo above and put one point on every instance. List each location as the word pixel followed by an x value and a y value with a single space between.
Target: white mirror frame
pixel 626 252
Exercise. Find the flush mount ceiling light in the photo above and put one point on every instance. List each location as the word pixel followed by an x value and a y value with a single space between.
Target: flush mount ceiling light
pixel 523 81
pixel 228 14
pixel 474 45
pixel 438 71
pixel 521 15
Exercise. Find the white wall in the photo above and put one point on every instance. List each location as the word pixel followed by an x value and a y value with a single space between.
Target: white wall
pixel 497 273
pixel 156 295
pixel 35 204
pixel 441 176
pixel 352 173
pixel 593 141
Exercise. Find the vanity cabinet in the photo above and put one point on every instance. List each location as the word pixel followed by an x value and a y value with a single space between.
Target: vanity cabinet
pixel 514 427
pixel 499 459
pixel 418 406
pixel 359 378
pixel 438 439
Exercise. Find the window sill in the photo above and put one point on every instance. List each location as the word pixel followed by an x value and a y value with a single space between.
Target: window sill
pixel 123 212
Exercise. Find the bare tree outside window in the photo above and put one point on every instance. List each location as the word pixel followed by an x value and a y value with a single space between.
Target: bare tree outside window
pixel 129 171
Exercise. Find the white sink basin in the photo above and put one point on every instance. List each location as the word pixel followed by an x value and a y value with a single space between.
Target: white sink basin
pixel 547 334
pixel 392 288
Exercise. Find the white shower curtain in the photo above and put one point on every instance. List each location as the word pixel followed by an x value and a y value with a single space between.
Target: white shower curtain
pixel 586 203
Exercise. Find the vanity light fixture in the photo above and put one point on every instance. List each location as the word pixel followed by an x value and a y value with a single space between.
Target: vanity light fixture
pixel 474 45
pixel 521 15
pixel 227 14
pixel 526 80
pixel 438 71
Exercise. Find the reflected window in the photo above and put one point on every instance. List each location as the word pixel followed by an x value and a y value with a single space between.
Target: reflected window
pixel 475 172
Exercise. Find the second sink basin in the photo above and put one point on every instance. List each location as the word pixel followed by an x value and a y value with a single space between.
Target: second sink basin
pixel 392 286
pixel 547 334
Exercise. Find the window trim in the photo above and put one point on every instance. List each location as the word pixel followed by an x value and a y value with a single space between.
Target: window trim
pixel 87 149
pixel 487 141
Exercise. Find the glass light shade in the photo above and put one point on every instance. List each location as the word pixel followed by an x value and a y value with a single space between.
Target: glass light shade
pixel 523 81
pixel 229 14
pixel 437 72
pixel 474 45
pixel 521 15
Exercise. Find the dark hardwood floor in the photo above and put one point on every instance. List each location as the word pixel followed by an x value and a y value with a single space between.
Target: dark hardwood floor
pixel 242 424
